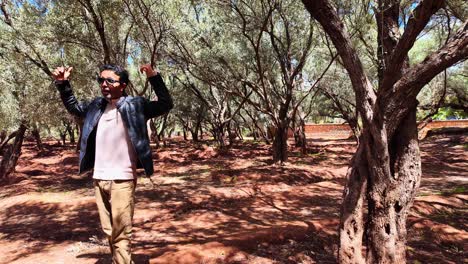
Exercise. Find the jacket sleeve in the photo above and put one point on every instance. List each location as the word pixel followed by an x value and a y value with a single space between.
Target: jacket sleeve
pixel 72 105
pixel 164 102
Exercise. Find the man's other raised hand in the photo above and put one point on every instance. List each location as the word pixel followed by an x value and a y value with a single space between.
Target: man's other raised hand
pixel 62 73
pixel 148 69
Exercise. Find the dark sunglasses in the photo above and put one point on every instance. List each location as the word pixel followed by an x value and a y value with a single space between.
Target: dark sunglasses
pixel 100 80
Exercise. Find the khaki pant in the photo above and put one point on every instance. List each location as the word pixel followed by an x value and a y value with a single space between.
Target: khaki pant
pixel 115 202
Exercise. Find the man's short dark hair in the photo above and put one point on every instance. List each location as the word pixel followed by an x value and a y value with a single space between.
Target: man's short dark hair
pixel 120 71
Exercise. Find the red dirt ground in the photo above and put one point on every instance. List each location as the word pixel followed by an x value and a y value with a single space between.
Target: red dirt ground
pixel 231 208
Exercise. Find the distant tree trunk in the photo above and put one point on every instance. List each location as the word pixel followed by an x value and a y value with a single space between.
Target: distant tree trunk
pixel 72 136
pixel 258 129
pixel 156 140
pixel 10 157
pixel 350 115
pixel 219 135
pixel 239 132
pixel 162 138
pixel 254 132
pixel 37 137
pixel 79 127
pixel 154 137
pixel 201 132
pixel 280 143
pixel 163 128
pixel 63 137
pixel 71 133
pixel 154 131
pixel 231 133
pixel 171 132
pixel 194 134
pixel 264 136
pixel 184 132
pixel 300 136
pixel 249 126
pixel 3 135
pixel 80 133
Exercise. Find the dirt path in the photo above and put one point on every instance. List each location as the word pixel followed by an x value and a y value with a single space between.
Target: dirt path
pixel 233 208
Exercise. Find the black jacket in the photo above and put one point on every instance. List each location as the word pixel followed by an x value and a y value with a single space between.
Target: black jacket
pixel 135 111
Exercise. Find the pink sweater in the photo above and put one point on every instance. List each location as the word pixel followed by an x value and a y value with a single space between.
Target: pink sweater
pixel 115 156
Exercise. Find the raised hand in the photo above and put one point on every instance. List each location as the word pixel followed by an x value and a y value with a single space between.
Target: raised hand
pixel 148 69
pixel 62 73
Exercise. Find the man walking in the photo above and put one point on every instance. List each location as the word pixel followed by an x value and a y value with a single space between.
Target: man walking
pixel 114 143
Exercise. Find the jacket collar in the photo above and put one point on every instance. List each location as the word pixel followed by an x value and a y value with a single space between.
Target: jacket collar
pixel 120 102
pixel 102 102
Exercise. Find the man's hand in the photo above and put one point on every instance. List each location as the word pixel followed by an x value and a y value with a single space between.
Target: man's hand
pixel 62 73
pixel 146 68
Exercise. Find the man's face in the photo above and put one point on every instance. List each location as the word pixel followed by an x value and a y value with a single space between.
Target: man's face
pixel 111 88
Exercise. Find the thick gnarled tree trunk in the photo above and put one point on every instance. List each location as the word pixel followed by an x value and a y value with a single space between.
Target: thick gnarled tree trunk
pixel 390 199
pixel 11 155
pixel 6 140
pixel 386 168
pixel 352 209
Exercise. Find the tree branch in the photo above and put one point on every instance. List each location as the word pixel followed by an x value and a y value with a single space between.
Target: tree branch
pixel 415 78
pixel 6 15
pixel 326 15
pixel 416 23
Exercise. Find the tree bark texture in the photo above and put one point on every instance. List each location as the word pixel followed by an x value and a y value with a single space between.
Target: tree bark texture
pixel 219 134
pixel 201 132
pixel 63 137
pixel 352 226
pixel 230 127
pixel 260 132
pixel 300 136
pixel 239 132
pixel 184 132
pixel 10 158
pixel 194 135
pixel 3 135
pixel 280 144
pixel 6 140
pixel 154 131
pixel 196 130
pixel 389 201
pixel 37 136
pixel 71 133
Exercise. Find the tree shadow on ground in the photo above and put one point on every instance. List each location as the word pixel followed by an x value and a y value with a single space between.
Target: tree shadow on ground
pixel 55 169
pixel 443 158
pixel 48 224
pixel 107 259
pixel 206 200
pixel 246 218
